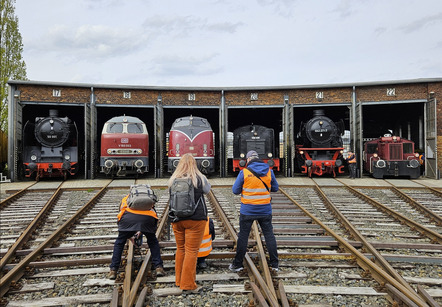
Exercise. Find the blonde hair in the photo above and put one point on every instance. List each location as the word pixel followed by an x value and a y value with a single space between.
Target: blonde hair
pixel 187 168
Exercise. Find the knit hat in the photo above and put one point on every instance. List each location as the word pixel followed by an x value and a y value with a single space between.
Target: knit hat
pixel 252 154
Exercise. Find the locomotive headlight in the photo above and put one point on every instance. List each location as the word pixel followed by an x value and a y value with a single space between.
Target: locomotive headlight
pixel 109 151
pixel 34 158
pixel 177 150
pixel 394 139
pixel 67 157
pixel 301 152
pixel 375 155
pixel 242 156
pixel 269 155
pixel 341 152
pixel 321 122
pixel 416 155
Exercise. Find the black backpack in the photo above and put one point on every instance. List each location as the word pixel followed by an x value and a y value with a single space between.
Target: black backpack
pixel 182 198
pixel 141 197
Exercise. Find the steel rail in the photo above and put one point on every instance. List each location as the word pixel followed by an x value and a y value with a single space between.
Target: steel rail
pixel 435 191
pixel 382 277
pixel 432 235
pixel 141 276
pixel 128 275
pixel 418 206
pixel 6 201
pixel 17 272
pixel 33 225
pixel 255 275
pixel 263 260
pixel 378 258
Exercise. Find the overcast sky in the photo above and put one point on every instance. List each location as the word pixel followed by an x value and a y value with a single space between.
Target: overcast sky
pixel 230 42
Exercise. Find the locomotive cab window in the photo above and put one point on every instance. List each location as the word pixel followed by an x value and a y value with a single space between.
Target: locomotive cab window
pixel 372 148
pixel 134 128
pixel 115 128
pixel 181 123
pixel 408 148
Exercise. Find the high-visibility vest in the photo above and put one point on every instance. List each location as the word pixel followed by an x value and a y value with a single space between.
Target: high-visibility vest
pixel 124 208
pixel 253 190
pixel 352 160
pixel 206 244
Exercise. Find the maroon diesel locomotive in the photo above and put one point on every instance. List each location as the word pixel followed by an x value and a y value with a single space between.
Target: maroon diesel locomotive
pixel 194 135
pixel 391 156
pixel 124 147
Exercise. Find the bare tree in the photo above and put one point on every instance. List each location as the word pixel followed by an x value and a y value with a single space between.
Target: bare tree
pixel 12 65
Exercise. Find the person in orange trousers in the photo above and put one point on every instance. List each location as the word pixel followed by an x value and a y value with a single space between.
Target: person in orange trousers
pixel 189 231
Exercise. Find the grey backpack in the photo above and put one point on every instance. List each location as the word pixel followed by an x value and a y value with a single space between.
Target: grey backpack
pixel 141 197
pixel 182 198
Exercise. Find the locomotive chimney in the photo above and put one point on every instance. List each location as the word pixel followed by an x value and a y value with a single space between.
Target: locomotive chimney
pixel 319 112
pixel 53 113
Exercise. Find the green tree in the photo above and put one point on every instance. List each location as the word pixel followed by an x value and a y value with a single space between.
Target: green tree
pixel 12 65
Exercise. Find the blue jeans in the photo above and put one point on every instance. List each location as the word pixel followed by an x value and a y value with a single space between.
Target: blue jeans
pixel 245 225
pixel 152 241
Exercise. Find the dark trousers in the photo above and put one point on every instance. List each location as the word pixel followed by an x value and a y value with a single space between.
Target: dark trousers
pixel 352 170
pixel 245 225
pixel 152 241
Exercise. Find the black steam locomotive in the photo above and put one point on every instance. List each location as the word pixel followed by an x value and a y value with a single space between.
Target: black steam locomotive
pixel 258 138
pixel 50 147
pixel 319 145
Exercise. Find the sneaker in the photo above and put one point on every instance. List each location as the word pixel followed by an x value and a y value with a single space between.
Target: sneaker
pixel 112 275
pixel 159 271
pixel 275 270
pixel 235 268
pixel 201 265
pixel 198 290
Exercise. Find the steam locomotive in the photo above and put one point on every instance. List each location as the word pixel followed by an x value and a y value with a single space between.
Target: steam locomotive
pixel 319 150
pixel 192 134
pixel 258 138
pixel 391 156
pixel 124 147
pixel 50 147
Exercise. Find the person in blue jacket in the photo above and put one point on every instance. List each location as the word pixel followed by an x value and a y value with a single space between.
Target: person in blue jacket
pixel 254 183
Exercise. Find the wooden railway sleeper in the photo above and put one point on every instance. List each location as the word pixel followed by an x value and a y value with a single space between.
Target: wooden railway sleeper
pixel 378 273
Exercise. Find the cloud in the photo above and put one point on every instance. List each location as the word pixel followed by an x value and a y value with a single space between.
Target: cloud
pixel 179 26
pixel 421 23
pixel 179 65
pixel 89 41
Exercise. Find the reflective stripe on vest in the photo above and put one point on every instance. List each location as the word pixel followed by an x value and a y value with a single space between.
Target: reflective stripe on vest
pixel 124 208
pixel 206 243
pixel 254 192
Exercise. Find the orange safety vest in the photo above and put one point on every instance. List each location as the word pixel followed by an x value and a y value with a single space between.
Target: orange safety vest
pixel 124 208
pixel 353 160
pixel 206 243
pixel 253 190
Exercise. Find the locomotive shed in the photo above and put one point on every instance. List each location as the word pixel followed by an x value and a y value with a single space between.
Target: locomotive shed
pixel 411 108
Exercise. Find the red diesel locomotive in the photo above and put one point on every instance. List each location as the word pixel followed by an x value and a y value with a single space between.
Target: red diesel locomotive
pixel 194 135
pixel 391 156
pixel 124 147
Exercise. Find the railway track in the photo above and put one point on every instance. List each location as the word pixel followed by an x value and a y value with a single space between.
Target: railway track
pixel 322 261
